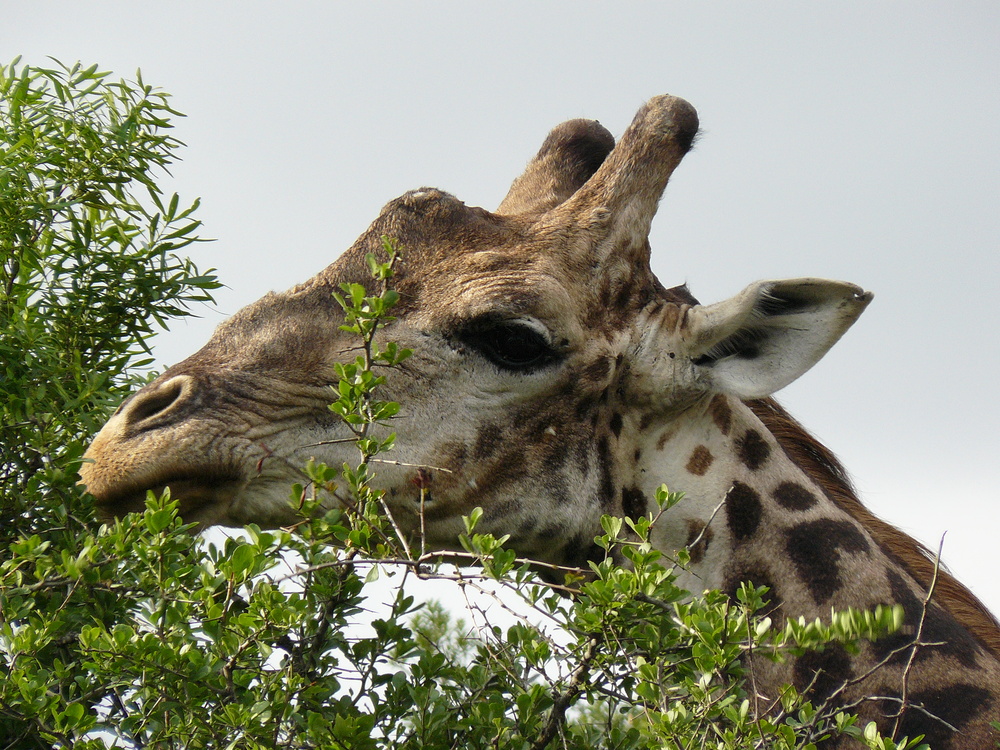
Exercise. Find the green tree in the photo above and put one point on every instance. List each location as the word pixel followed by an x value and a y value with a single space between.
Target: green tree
pixel 88 267
pixel 141 634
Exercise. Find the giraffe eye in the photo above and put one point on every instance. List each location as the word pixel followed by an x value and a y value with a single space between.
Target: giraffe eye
pixel 510 344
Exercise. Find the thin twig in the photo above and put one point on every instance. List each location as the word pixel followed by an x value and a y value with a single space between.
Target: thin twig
pixel 330 442
pixel 419 563
pixel 415 466
pixel 561 702
pixel 423 521
pixel 399 532
pixel 917 643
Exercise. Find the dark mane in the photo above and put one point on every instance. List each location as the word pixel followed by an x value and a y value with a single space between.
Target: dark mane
pixel 824 468
pixel 679 295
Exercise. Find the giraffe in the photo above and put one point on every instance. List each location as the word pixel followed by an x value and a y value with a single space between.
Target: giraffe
pixel 557 380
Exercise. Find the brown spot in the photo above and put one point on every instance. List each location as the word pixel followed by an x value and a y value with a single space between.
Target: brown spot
pixel 753 450
pixel 939 628
pixel 582 550
pixel 701 459
pixel 605 294
pixel 584 407
pixel 508 466
pixel 634 503
pixel 488 441
pixel 502 509
pixel 451 455
pixel 616 424
pixel 743 511
pixel 698 538
pixel 622 297
pixel 662 440
pixel 551 532
pixel 555 453
pixel 955 704
pixel 721 413
pixel 818 673
pixel 816 548
pixel 794 496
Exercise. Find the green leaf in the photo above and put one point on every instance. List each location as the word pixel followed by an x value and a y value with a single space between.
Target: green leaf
pixel 472 520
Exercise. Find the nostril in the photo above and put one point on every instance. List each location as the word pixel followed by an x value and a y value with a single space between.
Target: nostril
pixel 153 403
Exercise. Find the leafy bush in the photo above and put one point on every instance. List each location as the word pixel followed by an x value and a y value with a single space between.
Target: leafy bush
pixel 141 634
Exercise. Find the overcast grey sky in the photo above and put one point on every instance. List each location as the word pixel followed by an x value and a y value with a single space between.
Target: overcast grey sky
pixel 856 141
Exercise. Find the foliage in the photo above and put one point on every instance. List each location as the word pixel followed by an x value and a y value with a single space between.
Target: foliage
pixel 144 635
pixel 88 264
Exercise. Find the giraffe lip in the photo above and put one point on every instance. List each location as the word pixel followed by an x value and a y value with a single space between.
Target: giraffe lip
pixel 191 491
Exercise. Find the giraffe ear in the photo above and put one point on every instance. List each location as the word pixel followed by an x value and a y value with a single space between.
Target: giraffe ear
pixel 770 333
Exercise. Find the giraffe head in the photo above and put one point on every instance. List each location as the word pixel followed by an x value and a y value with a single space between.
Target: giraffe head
pixel 544 351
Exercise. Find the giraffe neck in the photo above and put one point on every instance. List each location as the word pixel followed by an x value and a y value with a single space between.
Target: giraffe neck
pixel 757 508
pixel 754 510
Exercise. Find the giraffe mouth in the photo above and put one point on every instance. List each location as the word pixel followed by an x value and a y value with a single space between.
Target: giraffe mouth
pixel 194 493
